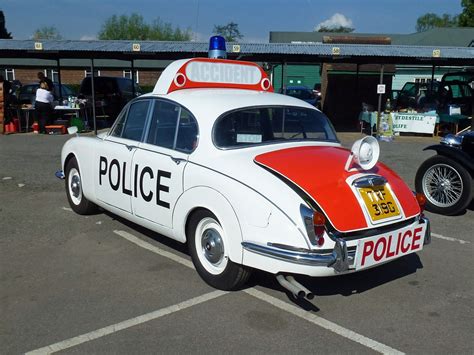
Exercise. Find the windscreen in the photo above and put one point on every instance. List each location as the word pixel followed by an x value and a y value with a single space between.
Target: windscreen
pixel 264 125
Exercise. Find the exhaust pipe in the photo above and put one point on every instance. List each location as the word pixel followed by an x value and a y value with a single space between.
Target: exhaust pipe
pixel 298 290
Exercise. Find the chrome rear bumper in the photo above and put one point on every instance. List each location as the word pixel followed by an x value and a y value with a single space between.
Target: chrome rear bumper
pixel 339 258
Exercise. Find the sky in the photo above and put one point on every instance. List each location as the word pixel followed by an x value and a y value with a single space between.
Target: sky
pixel 82 19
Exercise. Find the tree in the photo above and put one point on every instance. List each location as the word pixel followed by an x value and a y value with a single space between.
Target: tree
pixel 163 31
pixel 124 27
pixel 230 32
pixel 340 29
pixel 466 18
pixel 134 27
pixel 4 34
pixel 47 32
pixel 431 20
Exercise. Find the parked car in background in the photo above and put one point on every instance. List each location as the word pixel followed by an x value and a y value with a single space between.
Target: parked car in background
pixel 27 93
pixel 454 90
pixel 457 88
pixel 301 92
pixel 416 95
pixel 446 179
pixel 111 94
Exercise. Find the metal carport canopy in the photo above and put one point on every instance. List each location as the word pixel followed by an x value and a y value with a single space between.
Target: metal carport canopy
pixel 265 52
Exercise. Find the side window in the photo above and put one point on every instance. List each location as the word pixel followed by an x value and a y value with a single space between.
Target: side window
pixel 119 124
pixel 163 124
pixel 187 137
pixel 131 126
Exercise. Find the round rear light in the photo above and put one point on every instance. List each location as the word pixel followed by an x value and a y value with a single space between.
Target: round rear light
pixel 180 80
pixel 265 84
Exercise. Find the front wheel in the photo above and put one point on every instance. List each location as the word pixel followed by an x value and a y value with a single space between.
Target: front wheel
pixel 78 202
pixel 210 255
pixel 446 184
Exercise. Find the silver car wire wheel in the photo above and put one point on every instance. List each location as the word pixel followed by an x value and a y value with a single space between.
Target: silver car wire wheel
pixel 75 186
pixel 442 185
pixel 210 248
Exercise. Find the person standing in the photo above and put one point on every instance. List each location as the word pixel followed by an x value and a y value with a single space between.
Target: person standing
pixel 43 78
pixel 7 86
pixel 43 106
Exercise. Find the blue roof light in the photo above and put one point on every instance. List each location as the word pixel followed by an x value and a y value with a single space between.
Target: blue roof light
pixel 217 47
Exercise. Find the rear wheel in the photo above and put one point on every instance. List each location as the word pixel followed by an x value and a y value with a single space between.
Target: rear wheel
pixel 78 202
pixel 210 255
pixel 446 184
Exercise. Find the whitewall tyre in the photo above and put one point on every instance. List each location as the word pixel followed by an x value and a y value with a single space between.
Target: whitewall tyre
pixel 210 254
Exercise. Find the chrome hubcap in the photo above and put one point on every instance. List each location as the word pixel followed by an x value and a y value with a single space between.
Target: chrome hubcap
pixel 76 186
pixel 442 185
pixel 212 246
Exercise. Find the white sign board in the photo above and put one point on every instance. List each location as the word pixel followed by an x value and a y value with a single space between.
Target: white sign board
pixel 381 89
pixel 413 122
pixel 206 72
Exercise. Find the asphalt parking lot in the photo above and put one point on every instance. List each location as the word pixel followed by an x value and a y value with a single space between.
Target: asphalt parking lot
pixel 98 284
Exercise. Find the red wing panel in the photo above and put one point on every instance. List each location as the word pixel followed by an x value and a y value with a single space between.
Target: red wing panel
pixel 320 172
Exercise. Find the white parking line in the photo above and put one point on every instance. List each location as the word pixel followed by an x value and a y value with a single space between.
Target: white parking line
pixel 323 323
pixel 152 248
pixel 439 236
pixel 333 327
pixel 99 333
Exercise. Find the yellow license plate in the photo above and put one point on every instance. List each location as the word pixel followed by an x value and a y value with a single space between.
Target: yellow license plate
pixel 379 202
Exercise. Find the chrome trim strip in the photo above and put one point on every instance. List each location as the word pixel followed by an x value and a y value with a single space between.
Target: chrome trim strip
pixel 427 239
pixel 303 258
pixel 369 181
pixel 307 216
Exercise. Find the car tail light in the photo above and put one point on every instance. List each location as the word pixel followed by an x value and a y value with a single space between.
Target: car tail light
pixel 315 224
pixel 421 199
pixel 319 222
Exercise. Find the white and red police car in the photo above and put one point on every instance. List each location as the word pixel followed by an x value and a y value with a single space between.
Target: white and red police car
pixel 249 179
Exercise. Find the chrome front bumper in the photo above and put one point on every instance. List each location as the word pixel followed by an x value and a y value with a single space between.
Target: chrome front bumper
pixel 339 258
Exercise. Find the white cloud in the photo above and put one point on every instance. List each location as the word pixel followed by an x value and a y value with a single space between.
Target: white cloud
pixel 88 38
pixel 336 20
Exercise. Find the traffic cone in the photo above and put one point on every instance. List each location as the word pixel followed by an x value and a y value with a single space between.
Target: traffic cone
pixel 12 127
pixel 16 122
pixel 35 127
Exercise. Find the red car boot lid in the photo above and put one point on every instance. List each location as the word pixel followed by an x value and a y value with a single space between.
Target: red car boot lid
pixel 320 172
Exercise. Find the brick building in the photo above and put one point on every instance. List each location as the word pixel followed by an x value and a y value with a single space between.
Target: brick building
pixel 73 71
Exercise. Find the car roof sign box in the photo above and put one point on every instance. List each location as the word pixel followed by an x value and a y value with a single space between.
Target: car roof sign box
pixel 203 73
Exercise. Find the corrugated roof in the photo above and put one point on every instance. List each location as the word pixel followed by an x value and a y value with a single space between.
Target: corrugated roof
pixel 107 49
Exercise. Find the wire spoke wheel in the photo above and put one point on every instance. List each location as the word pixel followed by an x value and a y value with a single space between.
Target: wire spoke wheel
pixel 442 185
pixel 446 183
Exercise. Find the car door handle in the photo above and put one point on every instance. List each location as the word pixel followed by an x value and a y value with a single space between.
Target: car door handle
pixel 130 147
pixel 177 160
